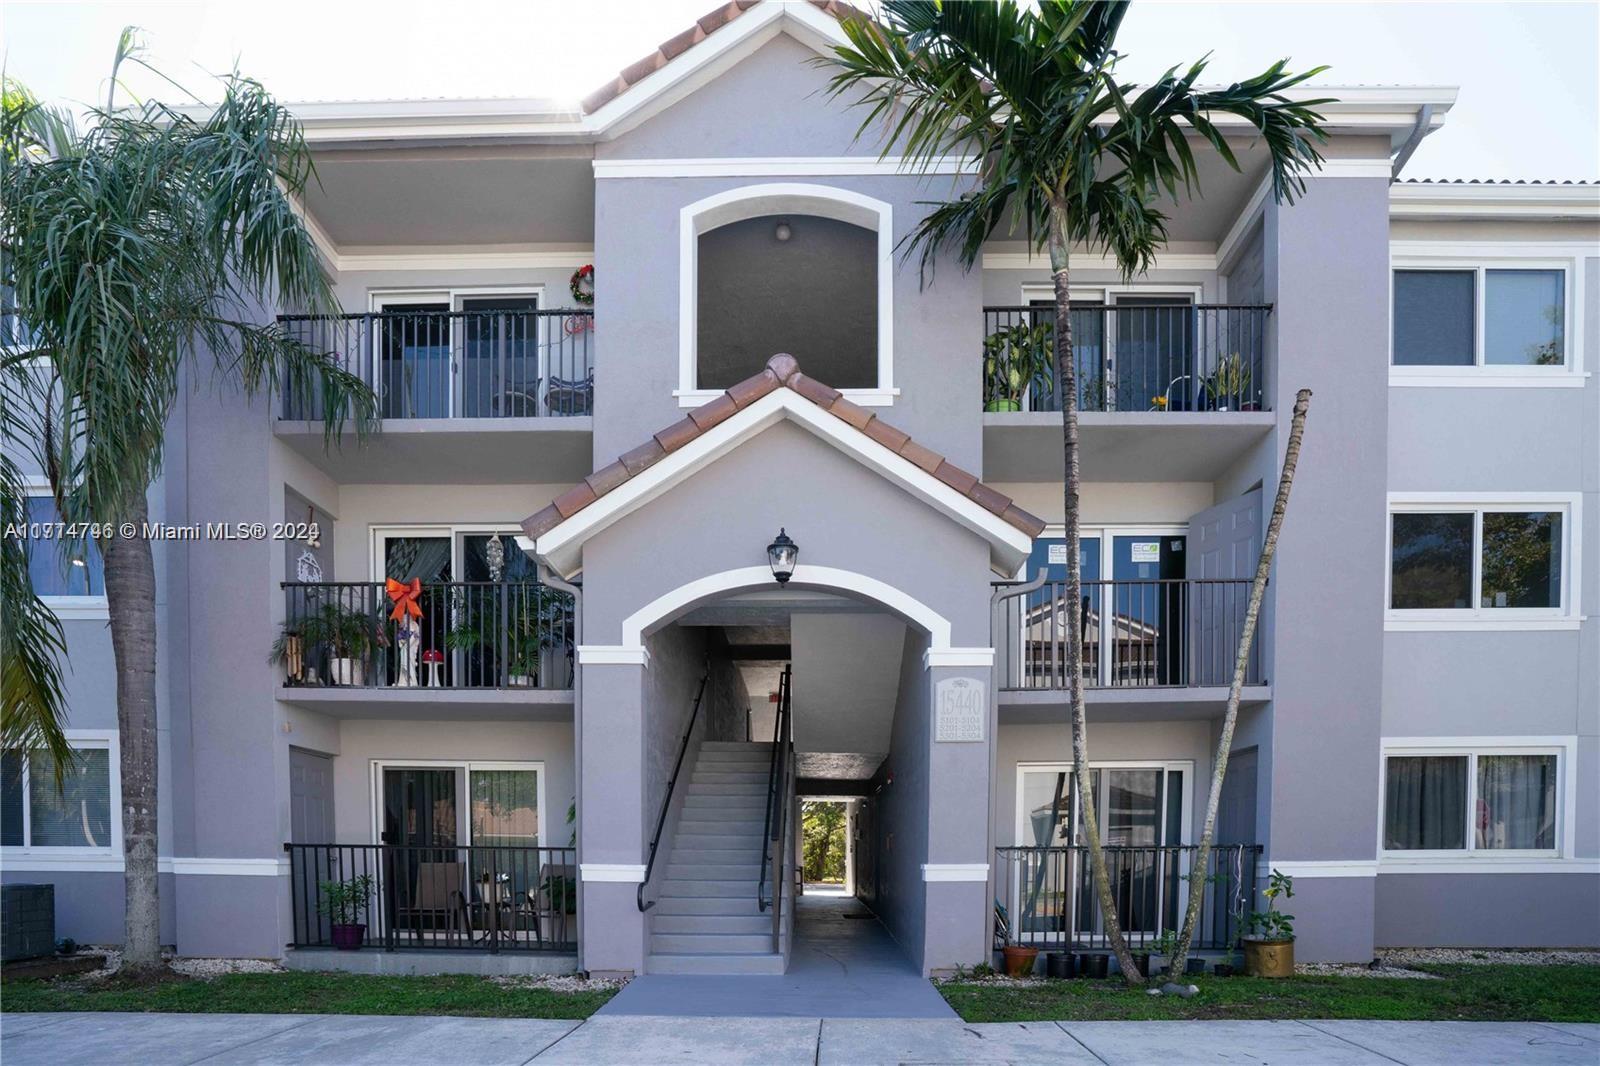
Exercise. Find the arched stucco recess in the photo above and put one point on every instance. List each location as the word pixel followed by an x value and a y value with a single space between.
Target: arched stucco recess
pixel 675 603
pixel 782 198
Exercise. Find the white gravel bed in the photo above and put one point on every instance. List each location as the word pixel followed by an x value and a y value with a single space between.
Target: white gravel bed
pixel 559 982
pixel 1356 969
pixel 1485 957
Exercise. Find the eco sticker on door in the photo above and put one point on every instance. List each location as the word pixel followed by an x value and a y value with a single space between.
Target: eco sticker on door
pixel 1147 551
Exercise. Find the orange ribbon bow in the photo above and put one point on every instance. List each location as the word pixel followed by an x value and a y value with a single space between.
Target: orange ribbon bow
pixel 405 597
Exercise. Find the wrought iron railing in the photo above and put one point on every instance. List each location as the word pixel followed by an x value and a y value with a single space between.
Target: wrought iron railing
pixel 472 634
pixel 437 896
pixel 1167 357
pixel 1045 896
pixel 1173 633
pixel 454 364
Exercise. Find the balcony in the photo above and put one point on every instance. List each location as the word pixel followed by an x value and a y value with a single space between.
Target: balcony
pixel 1049 899
pixel 1166 392
pixel 1157 647
pixel 502 649
pixel 452 388
pixel 441 897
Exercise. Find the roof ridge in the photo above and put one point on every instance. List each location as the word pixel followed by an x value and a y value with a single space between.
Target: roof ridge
pixel 781 371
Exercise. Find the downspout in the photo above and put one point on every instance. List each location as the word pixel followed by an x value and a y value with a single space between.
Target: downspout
pixel 1414 138
pixel 575 590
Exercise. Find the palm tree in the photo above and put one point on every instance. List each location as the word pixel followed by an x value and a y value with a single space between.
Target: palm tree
pixel 136 247
pixel 1071 157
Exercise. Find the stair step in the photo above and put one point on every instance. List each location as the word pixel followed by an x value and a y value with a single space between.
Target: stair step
pixel 714 856
pixel 718 905
pixel 730 965
pixel 726 789
pixel 738 760
pixel 754 801
pixel 727 889
pixel 730 777
pixel 712 943
pixel 737 745
pixel 750 869
pixel 757 922
pixel 733 823
pixel 746 842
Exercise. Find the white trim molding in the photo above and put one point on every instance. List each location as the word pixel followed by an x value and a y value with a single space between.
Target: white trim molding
pixel 1355 168
pixel 1097 261
pixel 1450 201
pixel 955 871
pixel 615 872
pixel 1390 864
pixel 1569 615
pixel 40 860
pixel 781 198
pixel 783 167
pixel 613 655
pixel 957 657
pixel 561 548
pixel 1318 868
pixel 486 258
pixel 230 867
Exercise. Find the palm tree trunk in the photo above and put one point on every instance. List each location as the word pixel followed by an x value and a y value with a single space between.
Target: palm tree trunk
pixel 1241 660
pixel 131 596
pixel 1067 384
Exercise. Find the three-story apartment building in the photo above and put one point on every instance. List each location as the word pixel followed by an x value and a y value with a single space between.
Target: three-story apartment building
pixel 521 658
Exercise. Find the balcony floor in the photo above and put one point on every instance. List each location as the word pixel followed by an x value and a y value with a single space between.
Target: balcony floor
pixel 433 704
pixel 1122 446
pixel 461 451
pixel 1152 704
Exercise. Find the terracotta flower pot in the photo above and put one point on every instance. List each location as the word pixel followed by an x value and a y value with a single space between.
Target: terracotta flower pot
pixel 1019 960
pixel 1269 958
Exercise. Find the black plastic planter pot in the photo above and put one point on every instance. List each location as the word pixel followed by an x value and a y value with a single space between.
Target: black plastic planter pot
pixel 1093 965
pixel 1223 969
pixel 1195 966
pixel 1141 959
pixel 1058 965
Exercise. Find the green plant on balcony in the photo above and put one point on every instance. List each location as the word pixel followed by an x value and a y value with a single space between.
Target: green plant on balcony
pixel 347 634
pixel 1229 384
pixel 1016 359
pixel 533 627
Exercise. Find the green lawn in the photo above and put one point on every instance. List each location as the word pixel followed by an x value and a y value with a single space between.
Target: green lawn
pixel 1466 993
pixel 300 992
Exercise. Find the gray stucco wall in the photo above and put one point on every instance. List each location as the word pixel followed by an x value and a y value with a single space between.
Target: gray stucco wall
pixel 902 808
pixel 1488 910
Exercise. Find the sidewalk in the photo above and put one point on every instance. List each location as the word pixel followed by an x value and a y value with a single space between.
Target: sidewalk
pixel 111 1039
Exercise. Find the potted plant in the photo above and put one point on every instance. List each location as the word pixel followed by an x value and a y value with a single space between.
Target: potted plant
pixel 348 635
pixel 343 903
pixel 289 650
pixel 537 647
pixel 1229 384
pixel 1015 359
pixel 1270 951
pixel 1020 959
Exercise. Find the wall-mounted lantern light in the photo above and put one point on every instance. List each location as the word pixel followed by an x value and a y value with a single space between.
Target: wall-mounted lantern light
pixel 781 555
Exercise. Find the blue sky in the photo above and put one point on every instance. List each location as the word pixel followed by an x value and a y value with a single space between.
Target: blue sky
pixel 1529 72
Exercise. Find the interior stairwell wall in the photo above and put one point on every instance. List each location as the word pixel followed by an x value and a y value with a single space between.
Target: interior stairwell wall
pixel 900 815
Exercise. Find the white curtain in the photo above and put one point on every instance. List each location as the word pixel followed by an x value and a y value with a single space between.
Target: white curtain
pixel 1516 802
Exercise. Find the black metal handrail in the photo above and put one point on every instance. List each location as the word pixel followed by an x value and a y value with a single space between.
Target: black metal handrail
pixel 453 364
pixel 772 830
pixel 1166 633
pixel 1151 357
pixel 444 896
pixel 1046 898
pixel 472 634
pixel 672 784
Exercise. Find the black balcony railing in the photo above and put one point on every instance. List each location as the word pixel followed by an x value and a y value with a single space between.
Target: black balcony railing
pixel 1151 357
pixel 1176 633
pixel 472 634
pixel 442 896
pixel 454 364
pixel 1045 896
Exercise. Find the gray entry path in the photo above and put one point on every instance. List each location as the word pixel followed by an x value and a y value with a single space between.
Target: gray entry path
pixel 842 967
pixel 340 1040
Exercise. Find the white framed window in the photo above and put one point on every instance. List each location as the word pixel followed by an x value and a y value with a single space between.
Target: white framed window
pixel 1483 561
pixel 67 574
pixel 1481 799
pixel 1486 317
pixel 461 802
pixel 786 206
pixel 83 818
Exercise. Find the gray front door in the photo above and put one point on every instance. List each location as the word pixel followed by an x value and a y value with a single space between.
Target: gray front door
pixel 310 797
pixel 1224 542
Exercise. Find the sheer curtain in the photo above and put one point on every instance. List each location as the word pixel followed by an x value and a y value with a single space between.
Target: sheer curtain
pixel 1425 803
pixel 1516 802
pixel 505 807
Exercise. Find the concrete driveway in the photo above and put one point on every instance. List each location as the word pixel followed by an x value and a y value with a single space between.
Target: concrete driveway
pixel 113 1039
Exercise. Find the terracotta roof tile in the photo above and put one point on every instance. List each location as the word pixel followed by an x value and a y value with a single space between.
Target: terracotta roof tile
pixel 779 368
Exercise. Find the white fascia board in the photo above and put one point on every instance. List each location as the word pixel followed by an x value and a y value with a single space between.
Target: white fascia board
pixel 562 547
pixel 1449 201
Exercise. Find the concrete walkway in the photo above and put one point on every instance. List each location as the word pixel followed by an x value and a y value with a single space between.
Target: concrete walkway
pixel 842 967
pixel 334 1040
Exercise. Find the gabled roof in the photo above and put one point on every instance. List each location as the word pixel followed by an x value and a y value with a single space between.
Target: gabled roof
pixel 778 391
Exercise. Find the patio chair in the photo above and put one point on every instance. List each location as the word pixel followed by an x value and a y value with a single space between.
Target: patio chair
pixel 575 397
pixel 438 896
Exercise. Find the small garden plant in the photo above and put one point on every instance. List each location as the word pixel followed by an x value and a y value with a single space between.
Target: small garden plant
pixel 1273 924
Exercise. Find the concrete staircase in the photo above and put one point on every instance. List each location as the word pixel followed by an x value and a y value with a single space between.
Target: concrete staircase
pixel 706 920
